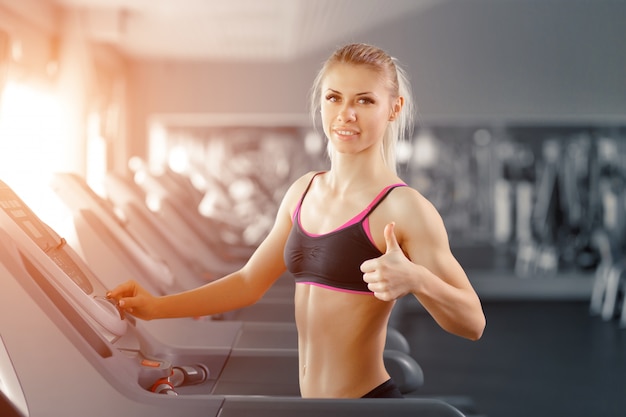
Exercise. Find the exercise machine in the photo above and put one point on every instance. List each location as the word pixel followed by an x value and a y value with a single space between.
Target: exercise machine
pixel 62 328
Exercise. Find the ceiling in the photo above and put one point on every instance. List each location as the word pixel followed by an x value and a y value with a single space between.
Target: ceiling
pixel 234 29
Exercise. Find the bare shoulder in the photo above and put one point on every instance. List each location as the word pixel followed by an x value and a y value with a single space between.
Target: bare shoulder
pixel 414 215
pixel 295 191
pixel 408 203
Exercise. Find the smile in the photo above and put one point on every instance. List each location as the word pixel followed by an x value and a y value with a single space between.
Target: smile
pixel 346 132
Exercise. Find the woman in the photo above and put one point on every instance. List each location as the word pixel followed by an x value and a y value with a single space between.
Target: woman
pixel 355 238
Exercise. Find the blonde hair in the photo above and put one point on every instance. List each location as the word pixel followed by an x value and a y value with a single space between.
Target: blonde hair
pixel 399 129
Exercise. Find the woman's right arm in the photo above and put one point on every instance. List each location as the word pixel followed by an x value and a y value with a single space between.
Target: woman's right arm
pixel 236 290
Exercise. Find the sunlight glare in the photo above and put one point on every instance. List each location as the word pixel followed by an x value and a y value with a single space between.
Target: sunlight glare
pixel 31 143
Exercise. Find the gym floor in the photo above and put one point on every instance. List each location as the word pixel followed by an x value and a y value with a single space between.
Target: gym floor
pixel 536 358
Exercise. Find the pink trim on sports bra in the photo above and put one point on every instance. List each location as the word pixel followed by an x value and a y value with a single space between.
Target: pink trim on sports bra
pixel 328 287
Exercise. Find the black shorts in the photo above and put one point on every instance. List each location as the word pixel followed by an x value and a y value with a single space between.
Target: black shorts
pixel 387 389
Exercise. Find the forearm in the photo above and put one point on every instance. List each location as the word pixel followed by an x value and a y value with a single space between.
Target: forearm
pixel 225 294
pixel 456 309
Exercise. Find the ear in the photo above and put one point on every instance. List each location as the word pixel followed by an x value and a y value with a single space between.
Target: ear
pixel 396 108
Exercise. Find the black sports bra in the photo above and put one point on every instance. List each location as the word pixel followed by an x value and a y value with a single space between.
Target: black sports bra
pixel 333 260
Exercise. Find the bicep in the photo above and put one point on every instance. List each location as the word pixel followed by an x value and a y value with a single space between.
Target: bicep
pixel 425 242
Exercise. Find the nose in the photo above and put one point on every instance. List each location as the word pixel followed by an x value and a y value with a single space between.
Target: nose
pixel 346 114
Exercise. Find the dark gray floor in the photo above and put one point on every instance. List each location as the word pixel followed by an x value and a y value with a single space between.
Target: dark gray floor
pixel 535 359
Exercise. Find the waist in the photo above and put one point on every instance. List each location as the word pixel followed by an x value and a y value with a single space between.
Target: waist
pixel 341 338
pixel 332 371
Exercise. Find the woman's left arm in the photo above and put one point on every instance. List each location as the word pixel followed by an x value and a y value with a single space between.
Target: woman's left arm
pixel 418 260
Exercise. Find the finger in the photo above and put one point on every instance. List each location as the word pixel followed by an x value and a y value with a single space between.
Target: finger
pixel 390 238
pixel 374 287
pixel 384 296
pixel 368 266
pixel 128 303
pixel 125 289
pixel 370 277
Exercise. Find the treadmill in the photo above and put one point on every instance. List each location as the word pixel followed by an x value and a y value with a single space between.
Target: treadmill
pixel 110 363
pixel 250 339
pixel 60 357
pixel 224 237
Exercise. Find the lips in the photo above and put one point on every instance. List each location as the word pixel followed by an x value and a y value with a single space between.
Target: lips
pixel 345 132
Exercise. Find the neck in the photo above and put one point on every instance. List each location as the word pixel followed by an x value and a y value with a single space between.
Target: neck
pixel 351 172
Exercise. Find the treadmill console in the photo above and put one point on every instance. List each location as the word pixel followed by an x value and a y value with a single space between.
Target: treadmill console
pixel 68 271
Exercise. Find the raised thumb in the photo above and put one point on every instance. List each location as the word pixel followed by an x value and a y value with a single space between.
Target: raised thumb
pixel 390 238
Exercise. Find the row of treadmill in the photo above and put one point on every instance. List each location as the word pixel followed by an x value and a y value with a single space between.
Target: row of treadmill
pixel 65 349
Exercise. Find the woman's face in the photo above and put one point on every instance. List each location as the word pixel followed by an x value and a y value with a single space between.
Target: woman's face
pixel 356 107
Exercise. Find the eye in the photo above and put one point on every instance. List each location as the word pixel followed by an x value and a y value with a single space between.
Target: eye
pixel 332 98
pixel 365 100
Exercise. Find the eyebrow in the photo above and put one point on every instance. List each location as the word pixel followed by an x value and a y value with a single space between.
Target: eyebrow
pixel 358 94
